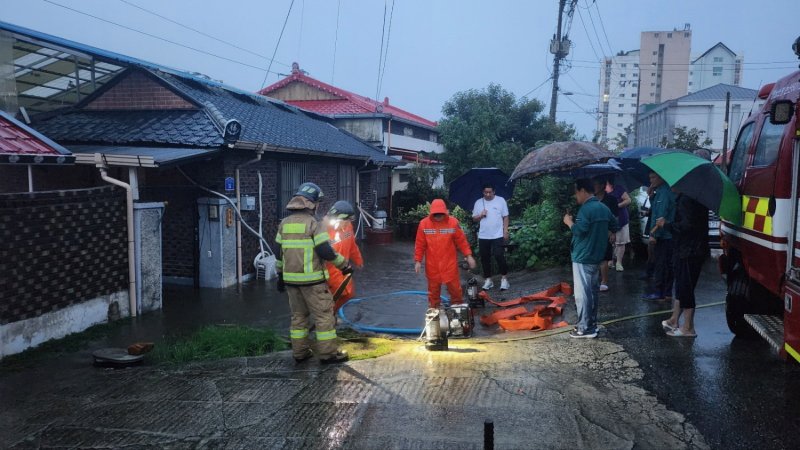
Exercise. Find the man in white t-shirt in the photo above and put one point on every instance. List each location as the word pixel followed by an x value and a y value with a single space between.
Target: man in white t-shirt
pixel 492 213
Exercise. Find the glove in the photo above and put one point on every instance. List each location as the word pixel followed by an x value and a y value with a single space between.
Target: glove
pixel 281 285
pixel 347 269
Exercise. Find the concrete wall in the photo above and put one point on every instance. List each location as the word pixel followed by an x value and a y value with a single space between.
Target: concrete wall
pixel 370 130
pixel 619 78
pixel 147 225
pixel 63 262
pixel 701 72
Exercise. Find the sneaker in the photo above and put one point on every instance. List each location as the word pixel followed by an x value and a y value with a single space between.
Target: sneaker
pixel 619 267
pixel 340 357
pixel 582 334
pixel 603 288
pixel 504 285
pixel 488 284
pixel 653 297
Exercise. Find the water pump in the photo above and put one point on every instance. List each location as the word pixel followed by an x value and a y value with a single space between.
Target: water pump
pixel 473 294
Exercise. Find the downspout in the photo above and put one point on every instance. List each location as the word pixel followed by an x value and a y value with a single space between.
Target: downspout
pixel 131 244
pixel 239 264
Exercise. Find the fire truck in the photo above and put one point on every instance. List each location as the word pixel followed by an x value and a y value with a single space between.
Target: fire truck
pixel 761 254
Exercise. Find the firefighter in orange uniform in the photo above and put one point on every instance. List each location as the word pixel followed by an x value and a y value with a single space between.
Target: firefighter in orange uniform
pixel 343 240
pixel 438 238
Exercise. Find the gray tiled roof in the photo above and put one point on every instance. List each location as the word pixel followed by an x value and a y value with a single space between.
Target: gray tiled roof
pixel 718 91
pixel 189 128
pixel 263 120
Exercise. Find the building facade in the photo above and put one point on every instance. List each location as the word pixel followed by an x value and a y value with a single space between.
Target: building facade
pixel 703 110
pixel 619 85
pixel 719 64
pixel 664 59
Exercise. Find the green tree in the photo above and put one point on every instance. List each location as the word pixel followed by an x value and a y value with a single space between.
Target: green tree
pixel 620 141
pixel 492 128
pixel 686 139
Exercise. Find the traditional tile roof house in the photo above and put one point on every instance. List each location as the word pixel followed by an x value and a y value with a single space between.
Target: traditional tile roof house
pixel 404 135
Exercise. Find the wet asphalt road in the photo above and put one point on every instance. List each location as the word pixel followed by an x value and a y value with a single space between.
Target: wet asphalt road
pixel 633 387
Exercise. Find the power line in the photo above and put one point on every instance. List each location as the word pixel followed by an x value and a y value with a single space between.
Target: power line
pixel 266 74
pixel 155 36
pixel 336 40
pixel 386 53
pixel 690 64
pixel 538 87
pixel 300 37
pixel 380 57
pixel 602 25
pixel 583 24
pixel 199 32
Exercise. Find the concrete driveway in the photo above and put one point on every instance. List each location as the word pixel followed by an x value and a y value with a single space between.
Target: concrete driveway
pixel 632 387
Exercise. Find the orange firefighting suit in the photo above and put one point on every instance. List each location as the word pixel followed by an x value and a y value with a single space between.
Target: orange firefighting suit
pixel 343 240
pixel 437 243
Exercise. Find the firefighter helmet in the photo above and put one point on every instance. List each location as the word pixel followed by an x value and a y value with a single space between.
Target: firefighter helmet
pixel 310 191
pixel 342 210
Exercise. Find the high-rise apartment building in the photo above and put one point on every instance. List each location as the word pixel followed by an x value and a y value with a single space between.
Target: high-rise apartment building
pixel 619 83
pixel 664 59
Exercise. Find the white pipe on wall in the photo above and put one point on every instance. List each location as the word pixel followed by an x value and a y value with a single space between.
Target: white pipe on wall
pixel 239 265
pixel 131 240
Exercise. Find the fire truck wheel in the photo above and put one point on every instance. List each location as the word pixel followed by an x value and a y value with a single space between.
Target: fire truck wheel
pixel 737 304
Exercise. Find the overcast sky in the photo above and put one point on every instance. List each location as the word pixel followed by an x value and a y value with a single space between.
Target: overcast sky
pixel 435 47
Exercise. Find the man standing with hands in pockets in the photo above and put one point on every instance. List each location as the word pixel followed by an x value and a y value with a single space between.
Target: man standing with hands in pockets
pixel 491 211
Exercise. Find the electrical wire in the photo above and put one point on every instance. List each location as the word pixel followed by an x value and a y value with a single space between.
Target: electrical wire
pixel 538 87
pixel 155 36
pixel 277 44
pixel 380 57
pixel 335 41
pixel 602 25
pixel 231 44
pixel 386 53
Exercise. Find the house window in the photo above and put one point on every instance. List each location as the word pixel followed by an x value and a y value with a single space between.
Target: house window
pixel 408 131
pixel 636 65
pixel 622 105
pixel 634 95
pixel 669 35
pixel 347 183
pixel 620 115
pixel 655 53
pixel 686 35
pixel 718 59
pixel 623 65
pixel 717 71
pixel 633 104
pixel 622 95
pixel 655 34
pixel 636 75
pixel 619 125
pixel 622 75
pixel 293 174
pixel 404 177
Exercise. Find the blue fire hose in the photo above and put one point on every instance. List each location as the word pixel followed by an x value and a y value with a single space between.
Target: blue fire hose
pixel 387 330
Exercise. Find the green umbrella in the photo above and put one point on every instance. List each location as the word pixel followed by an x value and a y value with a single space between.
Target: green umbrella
pixel 699 179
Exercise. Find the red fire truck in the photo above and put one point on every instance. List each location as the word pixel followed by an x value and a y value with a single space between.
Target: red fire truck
pixel 761 255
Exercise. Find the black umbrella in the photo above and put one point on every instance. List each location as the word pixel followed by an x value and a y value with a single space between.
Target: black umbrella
pixel 630 162
pixel 560 157
pixel 468 188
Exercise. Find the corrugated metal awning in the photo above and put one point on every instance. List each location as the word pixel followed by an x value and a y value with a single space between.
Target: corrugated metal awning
pixel 139 156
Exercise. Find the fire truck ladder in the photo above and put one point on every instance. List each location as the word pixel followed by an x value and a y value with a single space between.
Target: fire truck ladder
pixel 769 327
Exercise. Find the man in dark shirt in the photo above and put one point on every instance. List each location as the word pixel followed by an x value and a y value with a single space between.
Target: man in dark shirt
pixel 612 203
pixel 690 234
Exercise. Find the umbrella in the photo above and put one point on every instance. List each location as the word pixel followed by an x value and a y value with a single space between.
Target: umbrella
pixel 560 157
pixel 468 188
pixel 699 179
pixel 630 162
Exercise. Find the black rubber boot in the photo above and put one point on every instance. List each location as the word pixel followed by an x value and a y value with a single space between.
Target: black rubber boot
pixel 303 358
pixel 340 357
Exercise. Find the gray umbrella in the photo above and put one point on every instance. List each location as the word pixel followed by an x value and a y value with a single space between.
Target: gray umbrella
pixel 560 157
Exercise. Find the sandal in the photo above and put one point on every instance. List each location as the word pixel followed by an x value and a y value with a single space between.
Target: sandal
pixel 678 333
pixel 667 327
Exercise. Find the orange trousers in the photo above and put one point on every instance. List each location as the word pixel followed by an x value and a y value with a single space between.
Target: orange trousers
pixel 435 292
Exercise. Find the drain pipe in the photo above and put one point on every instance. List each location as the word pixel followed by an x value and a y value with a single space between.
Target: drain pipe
pixel 98 159
pixel 239 264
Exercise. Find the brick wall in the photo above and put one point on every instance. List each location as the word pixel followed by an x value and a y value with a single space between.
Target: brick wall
pixel 138 91
pixel 60 248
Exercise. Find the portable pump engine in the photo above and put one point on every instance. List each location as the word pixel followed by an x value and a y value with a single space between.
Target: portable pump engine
pixel 473 294
pixel 456 321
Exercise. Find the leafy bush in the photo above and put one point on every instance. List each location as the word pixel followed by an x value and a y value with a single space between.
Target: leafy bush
pixel 419 212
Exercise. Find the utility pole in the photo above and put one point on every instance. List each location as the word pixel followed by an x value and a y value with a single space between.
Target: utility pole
pixel 726 125
pixel 560 48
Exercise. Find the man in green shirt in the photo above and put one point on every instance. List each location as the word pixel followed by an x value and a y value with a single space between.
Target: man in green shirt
pixel 591 230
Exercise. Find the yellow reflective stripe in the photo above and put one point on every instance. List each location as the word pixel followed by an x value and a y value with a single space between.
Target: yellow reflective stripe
pixel 299 333
pixel 294 228
pixel 786 346
pixel 326 335
pixel 320 238
pixel 278 238
pixel 338 260
pixel 298 243
pixel 301 277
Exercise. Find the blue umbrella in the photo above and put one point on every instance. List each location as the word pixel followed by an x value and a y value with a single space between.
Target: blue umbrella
pixel 468 188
